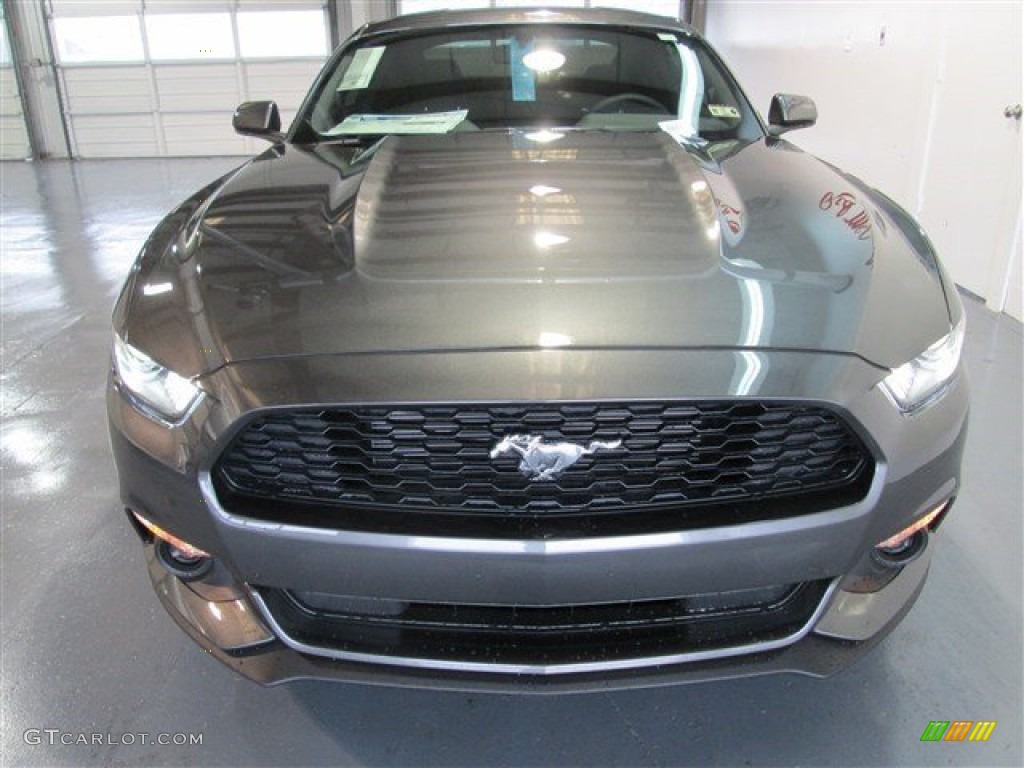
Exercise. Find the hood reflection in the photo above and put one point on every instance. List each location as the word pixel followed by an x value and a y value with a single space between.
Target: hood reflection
pixel 456 242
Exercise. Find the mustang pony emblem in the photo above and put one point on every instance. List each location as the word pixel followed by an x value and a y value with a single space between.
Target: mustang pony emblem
pixel 542 461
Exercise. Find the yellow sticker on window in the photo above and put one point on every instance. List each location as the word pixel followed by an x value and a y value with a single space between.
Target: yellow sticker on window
pixel 723 110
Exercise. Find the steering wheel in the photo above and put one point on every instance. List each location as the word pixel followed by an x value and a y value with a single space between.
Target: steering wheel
pixel 640 98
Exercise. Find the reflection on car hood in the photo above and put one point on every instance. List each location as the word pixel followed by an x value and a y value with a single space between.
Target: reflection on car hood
pixel 472 241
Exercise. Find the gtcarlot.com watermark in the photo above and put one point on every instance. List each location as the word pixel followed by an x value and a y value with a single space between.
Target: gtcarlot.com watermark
pixel 55 736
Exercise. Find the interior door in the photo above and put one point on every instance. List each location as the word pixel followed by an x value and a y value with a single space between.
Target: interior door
pixel 971 198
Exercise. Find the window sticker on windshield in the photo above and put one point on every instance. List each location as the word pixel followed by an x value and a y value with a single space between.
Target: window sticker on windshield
pixel 667 37
pixel 524 81
pixel 360 71
pixel 723 110
pixel 433 122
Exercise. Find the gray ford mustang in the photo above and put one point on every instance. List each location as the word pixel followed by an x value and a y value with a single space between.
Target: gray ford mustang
pixel 530 356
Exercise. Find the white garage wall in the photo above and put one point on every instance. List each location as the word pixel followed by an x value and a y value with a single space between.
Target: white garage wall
pixel 873 99
pixel 910 98
pixel 162 77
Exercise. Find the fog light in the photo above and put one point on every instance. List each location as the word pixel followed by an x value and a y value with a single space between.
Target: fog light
pixel 177 563
pixel 185 552
pixel 902 540
pixel 904 553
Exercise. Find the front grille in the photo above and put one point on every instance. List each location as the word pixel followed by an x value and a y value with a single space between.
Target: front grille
pixel 581 634
pixel 427 468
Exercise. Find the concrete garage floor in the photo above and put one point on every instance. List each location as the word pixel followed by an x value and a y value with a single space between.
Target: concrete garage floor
pixel 88 649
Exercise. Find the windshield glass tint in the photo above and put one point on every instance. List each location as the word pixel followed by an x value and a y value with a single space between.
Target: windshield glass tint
pixel 529 76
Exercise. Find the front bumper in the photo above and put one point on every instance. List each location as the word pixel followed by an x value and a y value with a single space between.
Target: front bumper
pixel 165 477
pixel 820 649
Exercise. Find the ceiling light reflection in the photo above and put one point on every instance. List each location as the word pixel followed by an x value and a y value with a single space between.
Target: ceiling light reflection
pixel 25 445
pixel 155 289
pixel 545 136
pixel 554 340
pixel 46 480
pixel 752 370
pixel 544 60
pixel 548 239
pixel 542 190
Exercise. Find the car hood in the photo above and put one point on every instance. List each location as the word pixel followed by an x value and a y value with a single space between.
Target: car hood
pixel 493 241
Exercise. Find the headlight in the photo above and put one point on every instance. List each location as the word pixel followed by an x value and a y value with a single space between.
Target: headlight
pixel 168 394
pixel 915 384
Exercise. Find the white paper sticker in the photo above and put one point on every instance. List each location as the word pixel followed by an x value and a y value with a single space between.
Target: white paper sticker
pixel 360 71
pixel 667 37
pixel 431 122
pixel 723 110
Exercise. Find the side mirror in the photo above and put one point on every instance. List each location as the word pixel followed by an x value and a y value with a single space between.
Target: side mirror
pixel 258 118
pixel 790 111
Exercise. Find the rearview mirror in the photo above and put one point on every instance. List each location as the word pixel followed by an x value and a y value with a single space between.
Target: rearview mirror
pixel 258 118
pixel 790 111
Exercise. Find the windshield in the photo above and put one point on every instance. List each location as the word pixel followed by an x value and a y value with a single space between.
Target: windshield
pixel 528 76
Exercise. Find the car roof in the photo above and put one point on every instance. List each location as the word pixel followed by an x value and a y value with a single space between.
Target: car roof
pixel 485 16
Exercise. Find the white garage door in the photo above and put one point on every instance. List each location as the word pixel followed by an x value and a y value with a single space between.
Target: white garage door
pixel 13 136
pixel 145 78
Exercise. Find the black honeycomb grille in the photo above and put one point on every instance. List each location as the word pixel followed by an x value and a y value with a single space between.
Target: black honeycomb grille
pixel 384 467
